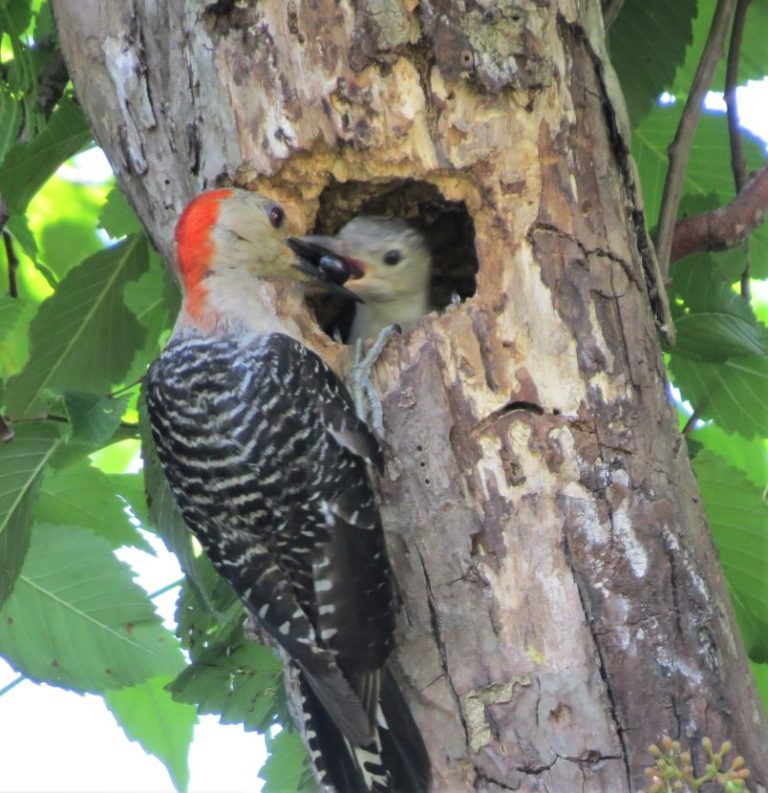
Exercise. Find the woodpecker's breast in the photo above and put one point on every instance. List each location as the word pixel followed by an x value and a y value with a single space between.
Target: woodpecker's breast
pixel 267 461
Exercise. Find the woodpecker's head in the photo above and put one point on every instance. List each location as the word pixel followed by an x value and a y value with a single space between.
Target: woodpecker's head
pixel 226 238
pixel 386 257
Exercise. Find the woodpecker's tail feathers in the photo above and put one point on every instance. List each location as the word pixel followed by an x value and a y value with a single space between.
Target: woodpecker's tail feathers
pixel 343 705
pixel 394 761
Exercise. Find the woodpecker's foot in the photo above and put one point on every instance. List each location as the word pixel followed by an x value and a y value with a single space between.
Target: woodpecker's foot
pixel 367 401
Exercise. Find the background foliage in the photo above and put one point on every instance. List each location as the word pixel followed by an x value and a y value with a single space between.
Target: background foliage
pixel 85 305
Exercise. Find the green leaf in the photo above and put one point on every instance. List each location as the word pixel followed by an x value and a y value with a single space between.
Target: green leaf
pixel 94 419
pixel 749 456
pixel 76 619
pixel 11 311
pixel 286 765
pixel 83 337
pixel 15 17
pixel 710 336
pixel 148 714
pixel 81 495
pixel 10 119
pixel 22 463
pixel 154 299
pixel 241 682
pixel 647 43
pixel 716 323
pixel 21 233
pixel 732 392
pixel 28 166
pixel 116 217
pixel 738 517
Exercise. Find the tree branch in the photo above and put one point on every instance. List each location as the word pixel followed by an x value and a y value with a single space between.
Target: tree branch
pixel 738 162
pixel 727 226
pixel 680 147
pixel 13 264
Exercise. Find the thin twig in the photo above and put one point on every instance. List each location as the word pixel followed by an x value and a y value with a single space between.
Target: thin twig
pixel 680 147
pixel 167 588
pixel 725 227
pixel 125 425
pixel 694 417
pixel 13 264
pixel 12 684
pixel 738 162
pixel 123 388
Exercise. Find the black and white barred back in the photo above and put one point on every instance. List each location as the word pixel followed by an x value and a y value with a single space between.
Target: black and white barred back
pixel 267 460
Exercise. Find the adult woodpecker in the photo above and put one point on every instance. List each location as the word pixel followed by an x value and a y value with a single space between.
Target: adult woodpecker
pixel 390 267
pixel 267 461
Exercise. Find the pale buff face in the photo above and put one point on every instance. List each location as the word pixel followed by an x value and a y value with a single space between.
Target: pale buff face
pixel 249 237
pixel 389 258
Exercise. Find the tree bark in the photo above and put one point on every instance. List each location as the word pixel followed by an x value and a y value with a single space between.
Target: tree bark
pixel 562 602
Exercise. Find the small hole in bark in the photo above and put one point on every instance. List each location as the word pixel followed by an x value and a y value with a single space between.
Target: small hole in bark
pixel 447 226
pixel 427 482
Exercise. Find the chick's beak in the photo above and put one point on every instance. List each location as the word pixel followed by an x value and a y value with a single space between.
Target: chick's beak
pixel 325 261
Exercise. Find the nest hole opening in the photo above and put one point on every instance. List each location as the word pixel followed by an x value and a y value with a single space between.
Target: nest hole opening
pixel 446 225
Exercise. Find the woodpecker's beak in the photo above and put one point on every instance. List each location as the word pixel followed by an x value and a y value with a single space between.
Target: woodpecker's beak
pixel 324 265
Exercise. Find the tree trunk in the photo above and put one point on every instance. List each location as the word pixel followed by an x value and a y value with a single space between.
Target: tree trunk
pixel 563 605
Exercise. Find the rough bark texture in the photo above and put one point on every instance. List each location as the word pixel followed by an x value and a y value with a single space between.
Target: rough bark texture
pixel 563 606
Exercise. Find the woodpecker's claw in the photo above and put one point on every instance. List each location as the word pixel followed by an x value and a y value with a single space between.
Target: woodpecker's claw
pixel 367 401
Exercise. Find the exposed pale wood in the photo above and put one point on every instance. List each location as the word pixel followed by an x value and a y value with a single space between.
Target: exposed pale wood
pixel 562 602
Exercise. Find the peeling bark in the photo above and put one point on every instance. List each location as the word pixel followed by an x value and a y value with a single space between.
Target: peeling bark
pixel 562 602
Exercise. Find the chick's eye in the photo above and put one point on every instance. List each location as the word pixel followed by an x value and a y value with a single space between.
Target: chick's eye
pixel 392 257
pixel 276 216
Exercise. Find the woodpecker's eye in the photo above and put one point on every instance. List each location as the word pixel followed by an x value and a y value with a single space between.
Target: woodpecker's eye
pixel 276 216
pixel 392 257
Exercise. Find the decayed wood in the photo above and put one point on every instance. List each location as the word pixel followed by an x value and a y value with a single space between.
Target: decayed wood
pixel 562 602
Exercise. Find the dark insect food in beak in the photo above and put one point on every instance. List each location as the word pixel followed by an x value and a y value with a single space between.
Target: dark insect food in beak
pixel 333 269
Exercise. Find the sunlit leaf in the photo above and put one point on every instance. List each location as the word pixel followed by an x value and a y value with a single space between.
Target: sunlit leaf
pixel 10 120
pixel 63 217
pixel 738 517
pixel 22 464
pixel 116 216
pixel 28 165
pixel 162 727
pixel 22 235
pixel 749 456
pixel 731 392
pixel 238 682
pixel 286 765
pixel 83 337
pixel 154 299
pixel 11 312
pixel 81 495
pixel 76 619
